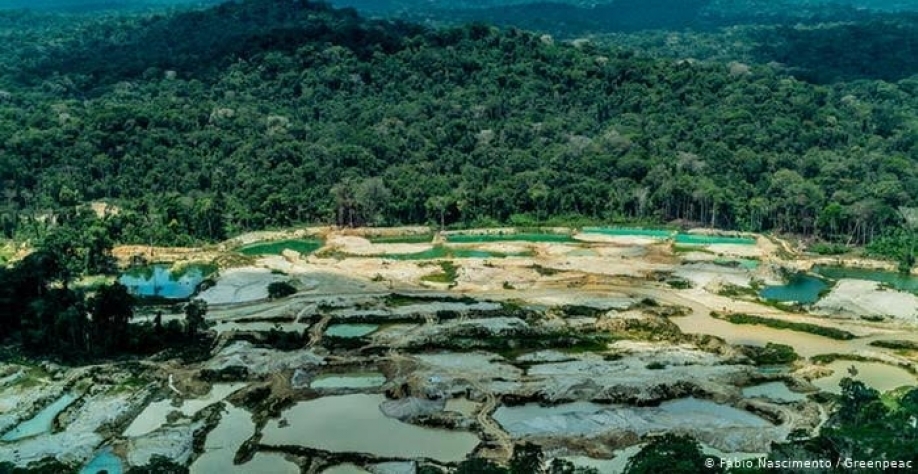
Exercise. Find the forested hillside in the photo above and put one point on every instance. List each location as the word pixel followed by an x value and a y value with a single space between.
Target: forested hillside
pixel 268 113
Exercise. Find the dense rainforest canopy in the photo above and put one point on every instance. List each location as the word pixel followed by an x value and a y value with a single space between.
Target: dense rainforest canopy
pixel 258 113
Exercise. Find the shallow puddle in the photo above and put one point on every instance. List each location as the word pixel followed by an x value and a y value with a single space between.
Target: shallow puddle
pixel 235 427
pixel 42 422
pixel 354 423
pixel 349 380
pixel 350 330
pixel 155 414
pixel 106 462
pixel 883 377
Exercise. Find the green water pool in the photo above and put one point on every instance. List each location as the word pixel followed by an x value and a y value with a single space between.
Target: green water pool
pixel 801 288
pixel 697 239
pixel 303 246
pixel 896 280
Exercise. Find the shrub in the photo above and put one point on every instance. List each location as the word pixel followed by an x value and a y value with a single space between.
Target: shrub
pixel 280 289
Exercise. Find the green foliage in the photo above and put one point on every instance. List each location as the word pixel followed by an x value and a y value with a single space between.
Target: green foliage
pixel 824 248
pixel 527 458
pixel 479 466
pixel 897 344
pixel 861 427
pixel 112 309
pixel 672 454
pixel 280 289
pixel 448 275
pixel 742 318
pixel 259 113
pixel 46 466
pixel 195 310
pixel 771 354
pixel 897 244
pixel 158 465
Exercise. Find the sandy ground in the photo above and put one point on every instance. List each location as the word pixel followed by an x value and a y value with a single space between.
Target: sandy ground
pixel 124 253
pixel 241 285
pixel 855 298
pixel 356 245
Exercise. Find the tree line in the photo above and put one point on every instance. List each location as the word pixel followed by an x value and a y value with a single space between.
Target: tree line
pixel 273 113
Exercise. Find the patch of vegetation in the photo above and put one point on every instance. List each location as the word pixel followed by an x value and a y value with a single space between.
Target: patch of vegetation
pixel 580 311
pixel 48 465
pixel 824 248
pixel 896 344
pixel 771 354
pixel 672 454
pixel 646 329
pixel 648 303
pixel 679 283
pixel 158 465
pixel 678 249
pixel 736 291
pixel 344 343
pixel 402 239
pixel 829 358
pixel 544 271
pixel 280 289
pixel 233 373
pixel 656 366
pixel 448 275
pixel 519 342
pixel 742 318
pixel 394 300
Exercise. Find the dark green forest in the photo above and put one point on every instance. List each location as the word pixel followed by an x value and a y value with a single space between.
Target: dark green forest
pixel 259 113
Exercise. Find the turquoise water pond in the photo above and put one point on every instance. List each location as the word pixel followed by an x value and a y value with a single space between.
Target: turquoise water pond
pixel 801 288
pixel 509 237
pixel 105 461
pixel 680 238
pixel 42 422
pixel 303 246
pixel 893 279
pixel 696 239
pixel 350 330
pixel 159 280
pixel 630 232
pixel 744 263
